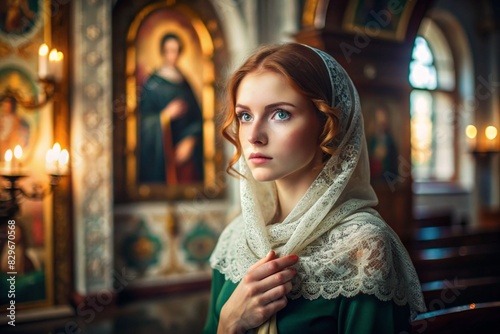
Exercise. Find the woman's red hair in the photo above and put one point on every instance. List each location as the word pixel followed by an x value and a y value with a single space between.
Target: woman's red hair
pixel 306 72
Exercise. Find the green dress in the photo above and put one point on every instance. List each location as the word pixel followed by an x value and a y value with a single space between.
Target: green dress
pixel 156 94
pixel 359 314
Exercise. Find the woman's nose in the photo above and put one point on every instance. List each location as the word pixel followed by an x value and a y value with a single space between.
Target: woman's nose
pixel 257 134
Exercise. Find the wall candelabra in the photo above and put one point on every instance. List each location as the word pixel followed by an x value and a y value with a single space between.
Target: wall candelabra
pixel 12 191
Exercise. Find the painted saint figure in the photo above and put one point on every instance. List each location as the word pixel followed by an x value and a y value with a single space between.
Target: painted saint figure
pixel 382 148
pixel 16 16
pixel 170 124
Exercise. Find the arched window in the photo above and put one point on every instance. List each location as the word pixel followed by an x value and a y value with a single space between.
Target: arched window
pixel 432 101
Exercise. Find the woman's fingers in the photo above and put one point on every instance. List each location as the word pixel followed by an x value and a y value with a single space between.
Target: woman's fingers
pixel 275 299
pixel 270 267
pixel 274 275
pixel 277 279
pixel 271 255
pixel 276 305
pixel 260 294
pixel 276 293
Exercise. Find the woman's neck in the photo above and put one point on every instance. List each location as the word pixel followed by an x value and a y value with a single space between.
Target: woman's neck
pixel 170 73
pixel 290 191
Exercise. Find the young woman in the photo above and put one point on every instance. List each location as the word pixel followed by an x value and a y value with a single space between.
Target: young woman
pixel 308 254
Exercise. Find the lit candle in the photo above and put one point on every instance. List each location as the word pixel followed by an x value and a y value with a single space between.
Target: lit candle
pixel 491 133
pixel 43 61
pixel 471 133
pixel 8 161
pixel 57 150
pixel 49 161
pixel 58 73
pixel 56 160
pixel 56 64
pixel 18 154
pixel 63 161
pixel 52 63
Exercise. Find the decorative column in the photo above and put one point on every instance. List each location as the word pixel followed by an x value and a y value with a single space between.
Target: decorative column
pixel 91 141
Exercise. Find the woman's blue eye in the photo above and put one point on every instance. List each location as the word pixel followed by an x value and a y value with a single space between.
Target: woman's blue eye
pixel 244 117
pixel 282 115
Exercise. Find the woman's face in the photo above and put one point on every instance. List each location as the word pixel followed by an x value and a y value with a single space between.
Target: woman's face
pixel 8 107
pixel 170 52
pixel 278 129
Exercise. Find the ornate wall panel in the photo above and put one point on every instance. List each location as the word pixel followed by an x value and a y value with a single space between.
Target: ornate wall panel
pixel 91 134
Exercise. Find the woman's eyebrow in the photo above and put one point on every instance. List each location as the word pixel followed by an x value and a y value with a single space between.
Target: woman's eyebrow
pixel 269 106
pixel 280 104
pixel 241 106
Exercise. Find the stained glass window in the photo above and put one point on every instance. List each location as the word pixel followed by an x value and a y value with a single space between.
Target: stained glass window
pixel 431 107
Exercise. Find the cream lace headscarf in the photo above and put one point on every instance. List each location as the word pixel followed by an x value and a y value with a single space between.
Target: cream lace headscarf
pixel 344 247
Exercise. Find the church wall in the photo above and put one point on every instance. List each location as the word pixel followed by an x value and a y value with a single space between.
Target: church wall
pixel 107 242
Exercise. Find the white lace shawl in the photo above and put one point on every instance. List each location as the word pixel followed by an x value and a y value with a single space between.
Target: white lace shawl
pixel 344 246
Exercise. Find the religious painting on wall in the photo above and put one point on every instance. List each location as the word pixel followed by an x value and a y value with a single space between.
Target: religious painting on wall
pixel 378 18
pixel 382 122
pixel 387 129
pixel 169 178
pixel 18 125
pixel 24 26
pixel 170 91
pixel 20 20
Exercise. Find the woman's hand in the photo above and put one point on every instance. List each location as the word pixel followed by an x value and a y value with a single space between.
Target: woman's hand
pixel 184 150
pixel 175 109
pixel 259 295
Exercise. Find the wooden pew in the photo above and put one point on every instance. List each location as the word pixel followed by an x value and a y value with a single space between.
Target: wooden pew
pixel 436 264
pixel 474 318
pixel 453 236
pixel 449 293
pixel 427 219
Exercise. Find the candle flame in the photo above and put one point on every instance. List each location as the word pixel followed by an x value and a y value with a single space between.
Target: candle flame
pixel 53 55
pixel 471 131
pixel 491 132
pixel 56 149
pixel 8 155
pixel 43 50
pixel 18 152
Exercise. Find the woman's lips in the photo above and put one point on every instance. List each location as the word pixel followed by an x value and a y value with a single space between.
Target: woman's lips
pixel 258 159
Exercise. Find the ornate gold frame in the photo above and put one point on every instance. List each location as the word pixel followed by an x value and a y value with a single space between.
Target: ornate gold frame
pixel 212 154
pixel 398 34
